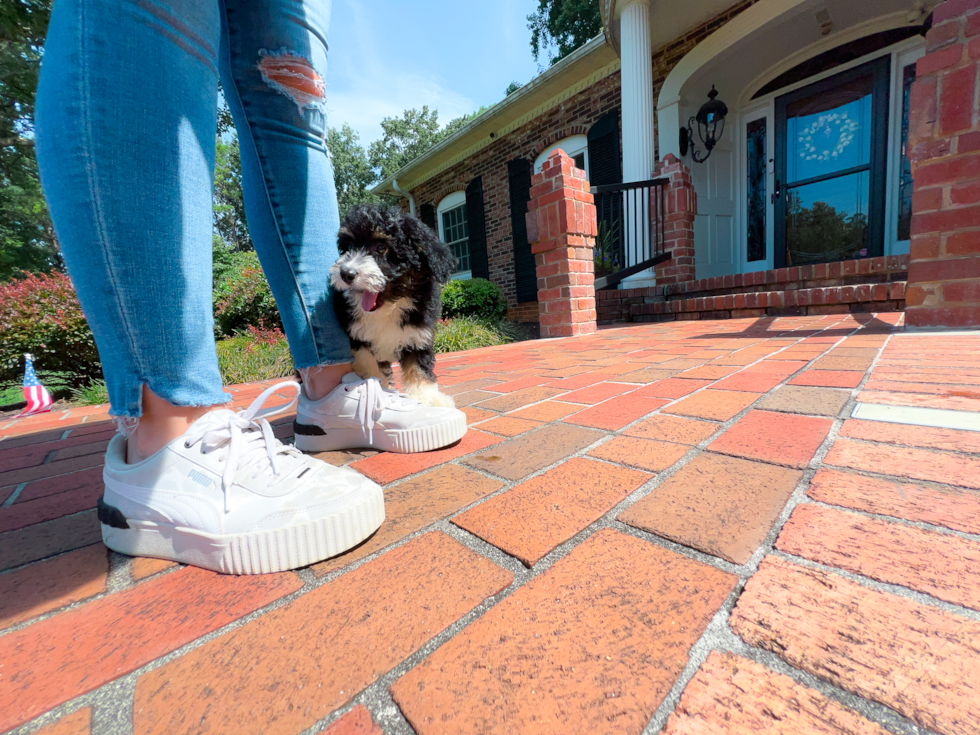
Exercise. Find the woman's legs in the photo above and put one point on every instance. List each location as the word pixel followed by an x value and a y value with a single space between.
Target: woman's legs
pixel 273 60
pixel 126 121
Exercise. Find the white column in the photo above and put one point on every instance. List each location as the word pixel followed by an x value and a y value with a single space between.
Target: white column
pixel 637 102
pixel 637 91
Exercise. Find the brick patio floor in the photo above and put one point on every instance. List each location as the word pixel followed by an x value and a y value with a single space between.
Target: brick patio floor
pixel 658 528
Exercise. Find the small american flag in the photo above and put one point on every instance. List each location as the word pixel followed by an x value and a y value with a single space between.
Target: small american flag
pixel 37 397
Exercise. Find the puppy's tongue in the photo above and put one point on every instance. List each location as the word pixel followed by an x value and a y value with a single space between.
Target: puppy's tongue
pixel 369 301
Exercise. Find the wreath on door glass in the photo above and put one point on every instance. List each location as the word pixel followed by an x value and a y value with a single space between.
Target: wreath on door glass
pixel 814 137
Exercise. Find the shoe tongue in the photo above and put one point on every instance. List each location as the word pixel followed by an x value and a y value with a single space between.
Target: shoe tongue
pixel 369 301
pixel 212 418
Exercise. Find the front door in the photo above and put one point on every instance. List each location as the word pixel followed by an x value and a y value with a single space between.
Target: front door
pixel 831 149
pixel 715 239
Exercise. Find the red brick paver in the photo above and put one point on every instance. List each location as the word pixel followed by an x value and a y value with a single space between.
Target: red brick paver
pixel 537 515
pixel 596 630
pixel 556 657
pixel 916 659
pixel 76 651
pixel 720 505
pixel 77 723
pixel 774 437
pixel 731 695
pixel 311 656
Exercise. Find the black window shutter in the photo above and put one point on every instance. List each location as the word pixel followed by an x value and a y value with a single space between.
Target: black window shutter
pixel 476 223
pixel 427 213
pixel 519 177
pixel 605 161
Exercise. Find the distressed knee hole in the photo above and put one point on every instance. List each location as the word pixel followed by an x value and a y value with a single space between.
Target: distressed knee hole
pixel 293 76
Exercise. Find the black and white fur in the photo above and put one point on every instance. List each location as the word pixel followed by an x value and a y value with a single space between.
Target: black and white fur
pixel 388 284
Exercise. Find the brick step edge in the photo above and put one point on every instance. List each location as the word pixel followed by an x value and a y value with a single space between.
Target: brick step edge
pixel 887 294
pixel 846 269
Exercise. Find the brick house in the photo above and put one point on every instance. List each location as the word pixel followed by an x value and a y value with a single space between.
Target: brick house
pixel 849 147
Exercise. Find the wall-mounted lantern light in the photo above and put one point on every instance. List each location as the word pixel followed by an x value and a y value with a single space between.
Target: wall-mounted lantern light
pixel 711 126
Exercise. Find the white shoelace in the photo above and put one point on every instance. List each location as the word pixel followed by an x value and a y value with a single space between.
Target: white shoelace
pixel 372 399
pixel 248 438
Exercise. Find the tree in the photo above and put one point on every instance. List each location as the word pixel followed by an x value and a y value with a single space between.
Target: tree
pixel 351 171
pixel 563 25
pixel 460 122
pixel 514 86
pixel 404 139
pixel 229 202
pixel 27 240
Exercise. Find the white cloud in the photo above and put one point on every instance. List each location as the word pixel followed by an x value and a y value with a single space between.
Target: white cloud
pixel 363 87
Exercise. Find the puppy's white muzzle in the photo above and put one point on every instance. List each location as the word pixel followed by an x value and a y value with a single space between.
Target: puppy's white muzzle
pixel 357 272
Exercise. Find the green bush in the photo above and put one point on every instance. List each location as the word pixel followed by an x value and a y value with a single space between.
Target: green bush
pixel 468 333
pixel 40 314
pixel 94 394
pixel 254 354
pixel 476 297
pixel 243 298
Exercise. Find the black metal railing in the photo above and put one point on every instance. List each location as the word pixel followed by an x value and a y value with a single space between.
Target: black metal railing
pixel 630 218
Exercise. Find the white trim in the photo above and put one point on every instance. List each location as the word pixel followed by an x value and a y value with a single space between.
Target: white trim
pixel 902 56
pixel 572 145
pixel 883 23
pixel 449 202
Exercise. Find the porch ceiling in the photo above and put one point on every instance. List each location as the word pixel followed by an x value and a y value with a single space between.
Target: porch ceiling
pixel 669 19
pixel 743 63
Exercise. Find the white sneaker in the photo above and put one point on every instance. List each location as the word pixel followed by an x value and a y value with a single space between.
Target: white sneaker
pixel 361 413
pixel 229 496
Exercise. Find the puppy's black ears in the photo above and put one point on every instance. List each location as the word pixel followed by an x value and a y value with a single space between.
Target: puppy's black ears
pixel 433 251
pixel 345 239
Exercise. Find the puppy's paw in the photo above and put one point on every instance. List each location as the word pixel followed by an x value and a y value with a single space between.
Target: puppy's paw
pixel 430 395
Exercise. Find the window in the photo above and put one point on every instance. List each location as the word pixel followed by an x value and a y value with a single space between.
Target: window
pixel 575 147
pixel 454 231
pixel 756 189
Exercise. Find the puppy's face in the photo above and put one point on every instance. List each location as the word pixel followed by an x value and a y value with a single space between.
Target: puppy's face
pixel 386 255
pixel 367 266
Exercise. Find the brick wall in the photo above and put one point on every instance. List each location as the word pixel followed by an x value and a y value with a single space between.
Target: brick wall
pixel 944 137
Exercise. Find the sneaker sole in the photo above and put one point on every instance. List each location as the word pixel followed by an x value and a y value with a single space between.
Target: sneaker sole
pixel 405 441
pixel 261 552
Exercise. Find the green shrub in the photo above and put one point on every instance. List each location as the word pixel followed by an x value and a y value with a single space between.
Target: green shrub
pixel 243 298
pixel 476 297
pixel 40 314
pixel 94 394
pixel 468 333
pixel 254 354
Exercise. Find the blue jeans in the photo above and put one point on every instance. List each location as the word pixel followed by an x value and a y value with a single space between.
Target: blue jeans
pixel 126 115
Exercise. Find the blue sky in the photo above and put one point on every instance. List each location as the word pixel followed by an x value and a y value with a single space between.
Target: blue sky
pixel 390 55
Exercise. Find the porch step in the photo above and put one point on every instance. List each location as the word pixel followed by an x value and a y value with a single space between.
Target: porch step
pixel 843 273
pixel 873 297
pixel 868 284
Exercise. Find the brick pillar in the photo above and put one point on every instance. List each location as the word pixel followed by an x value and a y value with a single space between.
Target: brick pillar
pixel 561 228
pixel 682 205
pixel 944 141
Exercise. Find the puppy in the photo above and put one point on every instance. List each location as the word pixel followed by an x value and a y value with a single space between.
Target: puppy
pixel 387 284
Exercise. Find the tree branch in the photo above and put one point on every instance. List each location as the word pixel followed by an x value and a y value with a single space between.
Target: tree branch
pixel 4 142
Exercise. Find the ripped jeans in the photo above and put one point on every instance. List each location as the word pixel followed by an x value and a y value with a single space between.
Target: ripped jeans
pixel 126 115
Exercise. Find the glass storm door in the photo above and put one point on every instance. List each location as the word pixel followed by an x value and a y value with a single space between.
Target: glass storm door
pixel 829 192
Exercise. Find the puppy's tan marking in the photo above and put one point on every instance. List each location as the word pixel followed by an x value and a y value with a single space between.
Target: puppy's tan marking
pixel 366 366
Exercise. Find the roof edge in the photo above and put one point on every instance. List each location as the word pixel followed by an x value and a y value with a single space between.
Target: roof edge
pixel 385 186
